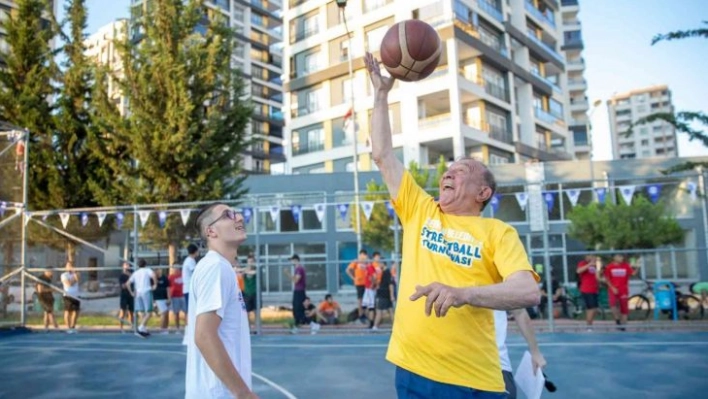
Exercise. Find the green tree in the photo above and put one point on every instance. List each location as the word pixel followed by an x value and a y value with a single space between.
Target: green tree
pixel 185 130
pixel 641 225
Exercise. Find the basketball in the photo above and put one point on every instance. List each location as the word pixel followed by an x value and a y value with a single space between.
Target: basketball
pixel 410 50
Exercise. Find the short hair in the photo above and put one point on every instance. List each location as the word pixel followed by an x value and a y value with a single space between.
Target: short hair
pixel 202 216
pixel 192 249
pixel 489 179
pixel 142 263
pixel 295 257
pixel 328 296
pixel 375 254
pixel 251 256
pixel 363 251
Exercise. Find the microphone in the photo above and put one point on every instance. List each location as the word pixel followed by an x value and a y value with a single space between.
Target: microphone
pixel 550 386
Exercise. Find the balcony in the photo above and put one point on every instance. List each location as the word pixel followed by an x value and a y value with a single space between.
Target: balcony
pixel 577 84
pixel 576 64
pixel 433 121
pixel 307 148
pixel 495 90
pixel 569 3
pixel 497 133
pixel 553 84
pixel 546 47
pixel 302 34
pixel 491 9
pixel 303 111
pixel 546 117
pixel 543 17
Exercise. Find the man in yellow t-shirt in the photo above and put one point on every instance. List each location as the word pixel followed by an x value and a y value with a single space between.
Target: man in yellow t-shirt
pixel 457 268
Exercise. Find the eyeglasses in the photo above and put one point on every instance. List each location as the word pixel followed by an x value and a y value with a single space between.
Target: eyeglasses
pixel 228 213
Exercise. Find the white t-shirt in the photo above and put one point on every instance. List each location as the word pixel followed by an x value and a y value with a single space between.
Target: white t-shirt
pixel 214 288
pixel 188 267
pixel 71 290
pixel 141 279
pixel 500 324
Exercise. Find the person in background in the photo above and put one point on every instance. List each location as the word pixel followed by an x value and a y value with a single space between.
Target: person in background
pixel 72 304
pixel 126 300
pixel 385 296
pixel 328 311
pixel 587 270
pixel 177 301
pixel 299 281
pixel 145 282
pixel 45 297
pixel 162 300
pixel 190 262
pixel 617 274
pixel 357 272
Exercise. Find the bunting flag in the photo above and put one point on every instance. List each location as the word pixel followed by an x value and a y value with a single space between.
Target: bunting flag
pixel 184 214
pixel 550 200
pixel 343 208
pixel 522 199
pixel 494 202
pixel 247 214
pixel 627 193
pixel 573 195
pixel 3 206
pixel 64 218
pixel 101 217
pixel 28 216
pixel 296 211
pixel 368 207
pixel 692 190
pixel 274 212
pixel 654 190
pixel 162 218
pixel 601 194
pixel 389 207
pixel 119 219
pixel 84 219
pixel 18 211
pixel 44 217
pixel 144 216
pixel 320 211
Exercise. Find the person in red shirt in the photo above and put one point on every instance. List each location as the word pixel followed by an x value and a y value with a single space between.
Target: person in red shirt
pixel 587 272
pixel 176 295
pixel 617 274
pixel 368 302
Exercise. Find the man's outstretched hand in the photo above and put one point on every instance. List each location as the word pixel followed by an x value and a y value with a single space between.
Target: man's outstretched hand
pixel 440 297
pixel 381 83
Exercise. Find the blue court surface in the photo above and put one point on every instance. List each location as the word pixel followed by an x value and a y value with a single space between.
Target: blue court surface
pixel 103 365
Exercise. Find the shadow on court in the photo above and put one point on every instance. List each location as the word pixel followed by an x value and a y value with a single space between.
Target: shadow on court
pixel 583 366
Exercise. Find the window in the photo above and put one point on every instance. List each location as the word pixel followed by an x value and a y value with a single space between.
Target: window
pixel 643 131
pixel 311 64
pixel 645 143
pixel 642 108
pixel 374 37
pixel 308 139
pixel 646 153
pixel 344 50
pixel 556 108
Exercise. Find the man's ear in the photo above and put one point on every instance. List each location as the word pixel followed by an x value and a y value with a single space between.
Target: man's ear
pixel 484 194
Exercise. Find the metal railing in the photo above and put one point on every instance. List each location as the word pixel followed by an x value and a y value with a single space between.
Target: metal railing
pixel 540 15
pixel 491 9
pixel 546 46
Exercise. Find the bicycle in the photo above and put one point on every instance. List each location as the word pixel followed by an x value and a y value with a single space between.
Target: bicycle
pixel 641 304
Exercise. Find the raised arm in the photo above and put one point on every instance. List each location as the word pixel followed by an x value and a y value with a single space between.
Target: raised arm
pixel 381 144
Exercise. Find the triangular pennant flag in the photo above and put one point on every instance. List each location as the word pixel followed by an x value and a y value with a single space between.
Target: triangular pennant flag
pixel 44 217
pixel 692 190
pixel 274 212
pixel 144 216
pixel 101 217
pixel 119 219
pixel 18 211
pixel 343 208
pixel 368 207
pixel 184 214
pixel 320 211
pixel 3 206
pixel 654 190
pixel 162 218
pixel 247 215
pixel 573 195
pixel 601 193
pixel 296 209
pixel 550 200
pixel 28 216
pixel 389 208
pixel 627 193
pixel 494 202
pixel 522 199
pixel 64 218
pixel 84 219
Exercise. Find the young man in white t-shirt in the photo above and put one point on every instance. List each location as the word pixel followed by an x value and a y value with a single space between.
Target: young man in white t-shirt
pixel 190 262
pixel 145 283
pixel 72 304
pixel 218 336
pixel 523 321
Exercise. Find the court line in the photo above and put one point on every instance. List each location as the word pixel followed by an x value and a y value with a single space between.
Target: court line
pixel 265 380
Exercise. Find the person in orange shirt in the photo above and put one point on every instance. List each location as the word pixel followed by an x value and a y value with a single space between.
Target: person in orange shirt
pixel 357 272
pixel 379 265
pixel 328 311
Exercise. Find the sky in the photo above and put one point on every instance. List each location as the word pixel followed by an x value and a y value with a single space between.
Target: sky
pixel 618 54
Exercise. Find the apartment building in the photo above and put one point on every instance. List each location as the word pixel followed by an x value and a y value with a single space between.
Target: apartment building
pixel 499 93
pixel 578 103
pixel 6 7
pixel 101 49
pixel 656 139
pixel 258 27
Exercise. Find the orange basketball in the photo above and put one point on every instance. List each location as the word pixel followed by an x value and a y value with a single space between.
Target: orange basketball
pixel 410 50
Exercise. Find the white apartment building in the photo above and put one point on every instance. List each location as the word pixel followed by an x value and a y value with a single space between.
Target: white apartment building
pixel 258 27
pixel 577 85
pixel 656 139
pixel 101 49
pixel 499 93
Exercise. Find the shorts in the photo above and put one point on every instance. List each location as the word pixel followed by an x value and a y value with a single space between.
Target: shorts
pixel 179 305
pixel 161 305
pixel 410 386
pixel 126 302
pixel 621 300
pixel 360 291
pixel 250 302
pixel 591 300
pixel 369 299
pixel 383 303
pixel 71 304
pixel 46 300
pixel 143 301
pixel 329 319
pixel 509 384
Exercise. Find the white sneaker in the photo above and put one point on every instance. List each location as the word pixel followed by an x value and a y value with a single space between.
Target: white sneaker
pixel 315 326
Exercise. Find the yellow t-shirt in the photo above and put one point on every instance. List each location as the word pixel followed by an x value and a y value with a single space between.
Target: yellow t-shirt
pixel 458 251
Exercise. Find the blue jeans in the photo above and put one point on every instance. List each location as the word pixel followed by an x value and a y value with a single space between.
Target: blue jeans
pixel 413 386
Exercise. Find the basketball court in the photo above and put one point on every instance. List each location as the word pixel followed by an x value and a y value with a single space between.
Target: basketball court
pixel 109 365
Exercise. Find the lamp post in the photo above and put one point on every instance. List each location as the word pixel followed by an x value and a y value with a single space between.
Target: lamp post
pixel 342 4
pixel 588 131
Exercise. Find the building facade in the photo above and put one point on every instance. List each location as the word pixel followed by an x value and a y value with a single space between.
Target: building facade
pixel 258 28
pixel 499 92
pixel 656 139
pixel 101 49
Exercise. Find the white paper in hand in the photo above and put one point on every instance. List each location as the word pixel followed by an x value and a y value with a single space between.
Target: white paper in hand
pixel 531 385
